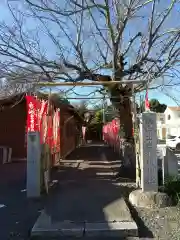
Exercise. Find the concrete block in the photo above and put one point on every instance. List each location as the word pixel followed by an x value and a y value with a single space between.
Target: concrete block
pixel 111 229
pixel 45 227
pixel 150 199
pixel 117 211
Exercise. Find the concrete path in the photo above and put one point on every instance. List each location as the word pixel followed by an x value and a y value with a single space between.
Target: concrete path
pixel 88 200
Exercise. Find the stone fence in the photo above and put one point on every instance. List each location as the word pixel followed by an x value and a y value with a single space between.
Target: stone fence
pixel 167 162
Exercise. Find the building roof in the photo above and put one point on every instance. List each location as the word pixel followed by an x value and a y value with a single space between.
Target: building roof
pixel 174 108
pixel 13 100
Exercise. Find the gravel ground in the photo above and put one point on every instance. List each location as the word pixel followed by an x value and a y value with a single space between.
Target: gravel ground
pixel 156 223
pixel 161 223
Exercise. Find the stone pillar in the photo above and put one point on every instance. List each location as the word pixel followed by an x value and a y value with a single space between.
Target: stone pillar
pixel 162 160
pixel 33 164
pixel 171 164
pixel 149 166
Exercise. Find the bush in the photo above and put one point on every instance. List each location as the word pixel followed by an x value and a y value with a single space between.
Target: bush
pixel 172 188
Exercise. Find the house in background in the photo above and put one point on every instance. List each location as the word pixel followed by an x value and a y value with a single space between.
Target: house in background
pixel 172 120
pixel 168 123
pixel 161 130
pixel 160 118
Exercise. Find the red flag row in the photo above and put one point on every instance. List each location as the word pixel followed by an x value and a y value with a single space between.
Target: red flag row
pixel 39 120
pixel 111 133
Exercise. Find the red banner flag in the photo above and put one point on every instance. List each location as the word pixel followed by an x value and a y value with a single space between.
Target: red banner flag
pixel 42 111
pixel 58 131
pixel 115 127
pixel 49 139
pixel 147 105
pixel 55 129
pixel 42 119
pixel 32 117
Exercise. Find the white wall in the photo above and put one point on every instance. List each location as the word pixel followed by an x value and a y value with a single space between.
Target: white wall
pixel 174 116
pixel 160 118
pixel 160 129
pixel 174 120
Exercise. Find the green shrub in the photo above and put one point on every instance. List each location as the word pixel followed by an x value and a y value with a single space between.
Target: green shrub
pixel 172 188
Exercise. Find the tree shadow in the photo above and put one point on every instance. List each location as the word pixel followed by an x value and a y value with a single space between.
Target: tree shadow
pixel 89 191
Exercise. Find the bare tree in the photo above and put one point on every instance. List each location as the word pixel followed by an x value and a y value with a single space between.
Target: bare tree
pixel 18 80
pixel 100 40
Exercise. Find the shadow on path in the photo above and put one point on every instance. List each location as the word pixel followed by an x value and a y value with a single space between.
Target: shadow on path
pixel 92 187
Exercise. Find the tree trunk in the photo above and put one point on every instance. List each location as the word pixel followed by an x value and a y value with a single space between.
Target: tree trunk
pixel 126 126
pixel 120 97
pixel 126 122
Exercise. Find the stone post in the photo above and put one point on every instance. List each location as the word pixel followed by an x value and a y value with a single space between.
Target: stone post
pixel 148 196
pixel 170 164
pixel 149 166
pixel 33 165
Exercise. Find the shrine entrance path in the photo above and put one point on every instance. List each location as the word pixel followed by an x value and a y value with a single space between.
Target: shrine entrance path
pixel 88 199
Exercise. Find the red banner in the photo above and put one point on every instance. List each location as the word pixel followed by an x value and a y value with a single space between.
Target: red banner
pixel 111 133
pixel 48 126
pixel 114 126
pixel 42 119
pixel 32 116
pixel 49 139
pixel 147 105
pixel 43 110
pixel 58 131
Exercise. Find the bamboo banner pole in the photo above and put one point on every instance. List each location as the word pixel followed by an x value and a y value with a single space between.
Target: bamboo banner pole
pixel 90 83
pixel 90 98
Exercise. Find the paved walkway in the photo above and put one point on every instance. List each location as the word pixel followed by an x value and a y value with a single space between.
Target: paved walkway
pixel 88 199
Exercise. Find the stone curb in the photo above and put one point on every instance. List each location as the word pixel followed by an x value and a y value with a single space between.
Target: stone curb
pixel 111 229
pixel 84 229
pixel 150 199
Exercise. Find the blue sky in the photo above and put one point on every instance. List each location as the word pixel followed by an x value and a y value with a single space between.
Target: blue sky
pixel 163 98
pixel 51 52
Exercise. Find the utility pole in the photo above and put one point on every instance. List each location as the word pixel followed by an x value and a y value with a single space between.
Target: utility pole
pixel 140 103
pixel 137 144
pixel 104 115
pixel 103 112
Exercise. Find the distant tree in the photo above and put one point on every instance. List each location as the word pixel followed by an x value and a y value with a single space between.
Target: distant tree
pixel 98 116
pixel 84 112
pixel 163 108
pixel 57 98
pixel 156 106
pixel 82 108
pixel 109 111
